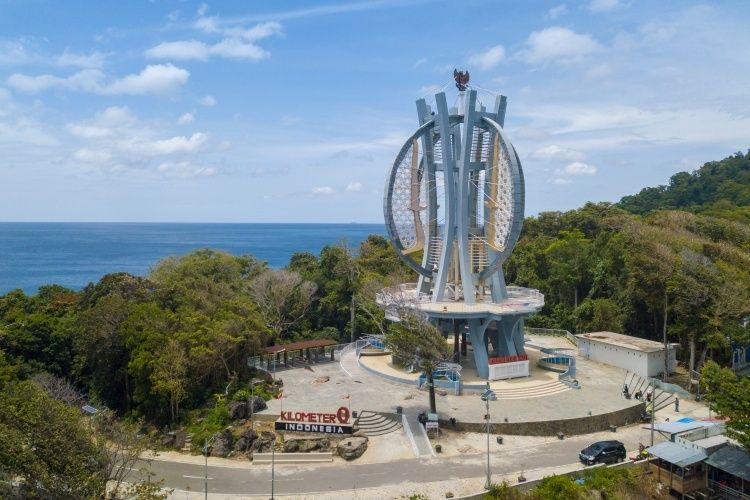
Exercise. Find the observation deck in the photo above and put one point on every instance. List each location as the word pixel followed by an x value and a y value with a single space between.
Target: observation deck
pixel 519 301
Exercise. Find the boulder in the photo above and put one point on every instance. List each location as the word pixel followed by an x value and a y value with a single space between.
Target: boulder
pixel 306 445
pixel 237 410
pixel 352 448
pixel 222 444
pixel 291 446
pixel 246 440
pixel 257 404
pixel 264 442
pixel 322 380
pixel 169 440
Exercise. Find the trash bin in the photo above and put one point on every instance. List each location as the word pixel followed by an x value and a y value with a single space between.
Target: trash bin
pixel 399 410
pixel 438 448
pixel 560 436
pixel 499 440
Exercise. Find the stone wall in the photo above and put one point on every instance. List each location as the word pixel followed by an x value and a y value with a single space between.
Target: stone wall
pixel 569 427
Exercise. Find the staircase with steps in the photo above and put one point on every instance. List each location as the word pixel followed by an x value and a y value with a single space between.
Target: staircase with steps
pixel 377 424
pixel 188 443
pixel 636 383
pixel 535 391
pixel 525 391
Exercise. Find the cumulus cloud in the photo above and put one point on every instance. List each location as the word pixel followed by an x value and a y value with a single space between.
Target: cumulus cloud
pixel 577 168
pixel 489 58
pixel 603 5
pixel 177 144
pixel 237 42
pixel 554 152
pixel 354 187
pixel 154 79
pixel 323 190
pixel 207 101
pixel 157 79
pixel 185 118
pixel 557 44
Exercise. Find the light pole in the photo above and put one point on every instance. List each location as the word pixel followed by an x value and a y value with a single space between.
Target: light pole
pixel 653 407
pixel 487 396
pixel 206 444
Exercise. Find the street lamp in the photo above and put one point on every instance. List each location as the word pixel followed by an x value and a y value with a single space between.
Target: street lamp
pixel 487 396
pixel 253 381
pixel 209 441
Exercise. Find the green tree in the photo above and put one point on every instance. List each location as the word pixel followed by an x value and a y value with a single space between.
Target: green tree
pixel 414 340
pixel 729 396
pixel 46 444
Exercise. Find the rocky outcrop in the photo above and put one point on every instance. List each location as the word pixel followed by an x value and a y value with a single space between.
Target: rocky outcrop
pixel 237 410
pixel 352 448
pixel 246 440
pixel 263 443
pixel 222 443
pixel 257 404
pixel 306 445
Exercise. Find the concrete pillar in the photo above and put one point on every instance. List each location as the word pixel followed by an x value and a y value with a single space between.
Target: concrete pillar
pixel 463 342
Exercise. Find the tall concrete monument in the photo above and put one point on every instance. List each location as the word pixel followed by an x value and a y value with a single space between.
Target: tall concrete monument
pixel 454 206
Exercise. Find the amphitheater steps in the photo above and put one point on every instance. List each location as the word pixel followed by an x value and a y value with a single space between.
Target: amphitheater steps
pixel 377 424
pixel 535 391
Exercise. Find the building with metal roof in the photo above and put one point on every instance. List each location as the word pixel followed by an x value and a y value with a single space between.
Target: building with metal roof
pixel 640 356
pixel 728 471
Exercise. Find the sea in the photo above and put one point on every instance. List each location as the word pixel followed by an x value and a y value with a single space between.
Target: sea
pixel 75 254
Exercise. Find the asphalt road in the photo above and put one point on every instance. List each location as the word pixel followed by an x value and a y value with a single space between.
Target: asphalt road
pixel 310 479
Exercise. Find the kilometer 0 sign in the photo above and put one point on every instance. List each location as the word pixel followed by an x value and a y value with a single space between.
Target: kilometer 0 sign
pixel 329 423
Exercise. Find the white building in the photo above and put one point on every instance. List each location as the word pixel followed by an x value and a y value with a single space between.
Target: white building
pixel 640 356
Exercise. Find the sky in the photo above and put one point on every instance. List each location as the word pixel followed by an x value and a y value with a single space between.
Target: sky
pixel 290 111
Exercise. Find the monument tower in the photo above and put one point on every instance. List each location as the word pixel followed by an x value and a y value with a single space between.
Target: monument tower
pixel 454 206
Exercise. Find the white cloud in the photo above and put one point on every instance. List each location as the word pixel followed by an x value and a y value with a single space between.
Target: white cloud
pixel 185 118
pixel 323 190
pixel 92 60
pixel 155 79
pixel 490 58
pixel 88 131
pixel 238 42
pixel 561 181
pixel 419 62
pixel 577 168
pixel 185 170
pixel 559 45
pixel 354 187
pixel 603 5
pixel 556 11
pixel 173 145
pixel 554 152
pixel 207 101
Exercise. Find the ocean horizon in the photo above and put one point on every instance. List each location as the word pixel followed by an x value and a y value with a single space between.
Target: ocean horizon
pixel 73 254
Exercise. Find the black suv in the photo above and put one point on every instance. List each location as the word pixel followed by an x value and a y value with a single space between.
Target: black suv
pixel 604 452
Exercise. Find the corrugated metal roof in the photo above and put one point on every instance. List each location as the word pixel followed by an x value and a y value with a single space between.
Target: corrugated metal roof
pixel 732 459
pixel 675 427
pixel 676 454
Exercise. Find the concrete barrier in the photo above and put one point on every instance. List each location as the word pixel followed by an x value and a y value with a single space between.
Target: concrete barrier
pixel 292 458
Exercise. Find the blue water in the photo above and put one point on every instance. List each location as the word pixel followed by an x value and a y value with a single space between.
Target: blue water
pixel 74 254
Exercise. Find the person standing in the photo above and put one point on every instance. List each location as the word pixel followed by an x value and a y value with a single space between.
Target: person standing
pixel 676 404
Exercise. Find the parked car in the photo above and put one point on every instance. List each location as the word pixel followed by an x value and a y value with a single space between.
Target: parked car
pixel 603 452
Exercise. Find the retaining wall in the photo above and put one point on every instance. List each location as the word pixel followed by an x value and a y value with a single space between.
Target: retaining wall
pixel 569 427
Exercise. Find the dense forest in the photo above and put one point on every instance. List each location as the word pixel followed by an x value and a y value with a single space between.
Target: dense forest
pixel 673 258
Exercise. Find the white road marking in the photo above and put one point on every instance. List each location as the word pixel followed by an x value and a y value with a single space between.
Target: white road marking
pixel 196 477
